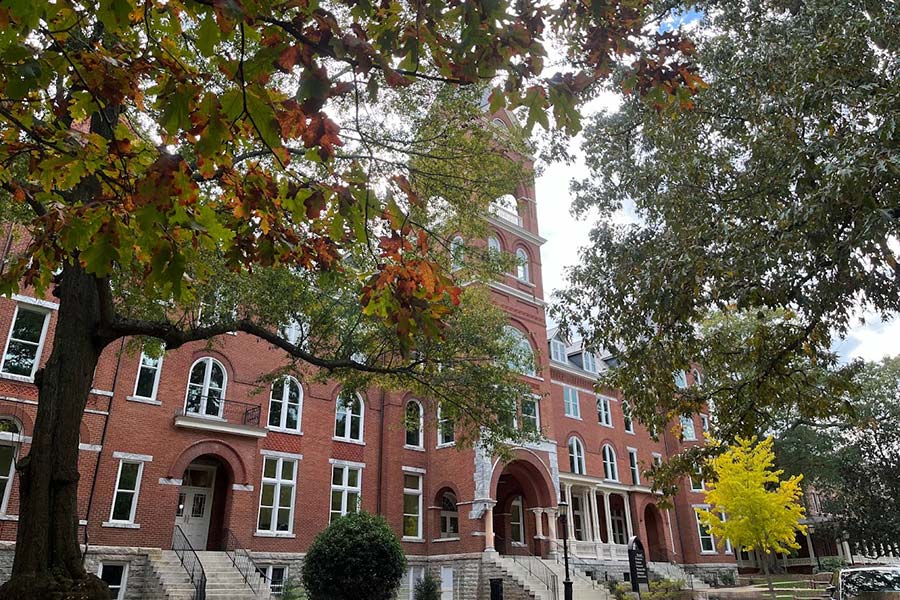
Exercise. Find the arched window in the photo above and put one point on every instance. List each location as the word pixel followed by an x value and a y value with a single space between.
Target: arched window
pixel 523 272
pixel 456 253
pixel 10 435
pixel 576 456
pixel 610 469
pixel 446 428
pixel 523 361
pixel 698 378
pixel 348 417
pixel 414 424
pixel 285 404
pixel 493 244
pixel 449 516
pixel 206 388
pixel 517 521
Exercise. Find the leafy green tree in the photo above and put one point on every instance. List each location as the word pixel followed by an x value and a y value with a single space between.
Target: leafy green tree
pixel 428 588
pixel 777 192
pixel 356 557
pixel 272 162
pixel 750 504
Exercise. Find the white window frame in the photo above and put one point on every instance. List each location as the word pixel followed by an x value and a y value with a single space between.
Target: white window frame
pixel 414 574
pixel 417 493
pixel 446 516
pixel 688 429
pixel 700 536
pixel 341 407
pixel 680 378
pixel 604 411
pixel 137 379
pixel 523 271
pixel 657 459
pixel 729 549
pixel 634 466
pixel 704 423
pixel 12 440
pixel 123 585
pixel 571 401
pixel 457 254
pixel 627 417
pixel 698 377
pixel 39 350
pixel 494 245
pixel 536 401
pixel 528 369
pixel 589 361
pixel 345 489
pixel 421 425
pixel 285 403
pixel 576 456
pixel 136 491
pixel 610 466
pixel 445 427
pixel 558 351
pixel 447 583
pixel 519 504
pixel 699 478
pixel 278 483
pixel 204 396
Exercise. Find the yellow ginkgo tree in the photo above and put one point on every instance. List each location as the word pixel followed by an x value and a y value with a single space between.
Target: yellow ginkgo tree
pixel 749 503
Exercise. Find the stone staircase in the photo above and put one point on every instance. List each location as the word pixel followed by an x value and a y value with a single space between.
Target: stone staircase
pixel 673 571
pixel 223 581
pixel 530 573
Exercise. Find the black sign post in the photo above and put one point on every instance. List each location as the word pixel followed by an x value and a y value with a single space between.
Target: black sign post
pixel 637 565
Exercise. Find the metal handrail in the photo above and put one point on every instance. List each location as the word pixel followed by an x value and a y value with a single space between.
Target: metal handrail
pixel 575 562
pixel 536 568
pixel 242 561
pixel 245 412
pixel 190 561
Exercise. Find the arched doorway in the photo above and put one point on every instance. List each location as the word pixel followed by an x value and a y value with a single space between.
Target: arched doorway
pixel 203 501
pixel 656 537
pixel 520 487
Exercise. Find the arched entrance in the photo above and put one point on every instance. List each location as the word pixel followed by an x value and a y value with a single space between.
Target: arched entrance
pixel 656 537
pixel 520 487
pixel 203 501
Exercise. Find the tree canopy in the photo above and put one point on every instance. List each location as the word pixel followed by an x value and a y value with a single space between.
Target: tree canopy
pixel 773 202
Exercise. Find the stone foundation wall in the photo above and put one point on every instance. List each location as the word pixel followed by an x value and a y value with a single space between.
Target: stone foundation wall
pixel 711 572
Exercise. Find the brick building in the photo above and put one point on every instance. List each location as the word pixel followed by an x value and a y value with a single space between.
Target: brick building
pixel 191 442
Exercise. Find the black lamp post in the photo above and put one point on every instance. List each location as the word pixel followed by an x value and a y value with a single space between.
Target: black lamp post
pixel 564 517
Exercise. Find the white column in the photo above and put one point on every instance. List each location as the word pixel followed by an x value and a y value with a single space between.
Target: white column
pixel 489 529
pixel 840 550
pixel 538 522
pixel 570 521
pixel 608 513
pixel 811 548
pixel 595 514
pixel 629 531
pixel 849 553
pixel 551 525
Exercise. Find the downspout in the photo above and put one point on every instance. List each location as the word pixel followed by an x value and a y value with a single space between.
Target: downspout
pixel 677 520
pixel 100 452
pixel 380 454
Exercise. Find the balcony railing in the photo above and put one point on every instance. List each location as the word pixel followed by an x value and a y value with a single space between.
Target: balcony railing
pixel 505 214
pixel 214 413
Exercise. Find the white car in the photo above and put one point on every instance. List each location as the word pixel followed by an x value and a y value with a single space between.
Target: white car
pixel 867 583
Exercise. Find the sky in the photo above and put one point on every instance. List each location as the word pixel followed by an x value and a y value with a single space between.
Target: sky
pixel 565 235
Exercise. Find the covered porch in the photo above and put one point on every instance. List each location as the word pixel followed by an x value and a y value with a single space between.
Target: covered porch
pixel 599 523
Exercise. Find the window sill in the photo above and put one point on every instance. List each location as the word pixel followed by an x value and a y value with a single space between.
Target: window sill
pixel 348 440
pixel 274 534
pixel 607 426
pixel 286 431
pixel 447 445
pixel 708 552
pixel 414 540
pixel 629 432
pixel 5 517
pixel 441 540
pixel 572 417
pixel 119 525
pixel 414 448
pixel 13 377
pixel 143 400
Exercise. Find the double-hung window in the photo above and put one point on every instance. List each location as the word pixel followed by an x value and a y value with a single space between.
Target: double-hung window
pixel 128 486
pixel 558 351
pixel 115 576
pixel 25 342
pixel 10 436
pixel 414 424
pixel 348 418
pixel 346 481
pixel 610 468
pixel 276 498
pixel 704 423
pixel 589 362
pixel 570 402
pixel 633 466
pixel 517 521
pixel 629 421
pixel 206 388
pixel 412 506
pixel 285 404
pixel 697 481
pixel 275 576
pixel 576 456
pixel 604 411
pixel 707 543
pixel 147 382
pixel 688 433
pixel 449 516
pixel 446 428
pixel 447 583
pixel 531 414
pixel 522 269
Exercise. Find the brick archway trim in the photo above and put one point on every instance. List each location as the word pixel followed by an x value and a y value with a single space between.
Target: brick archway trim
pixel 217 448
pixel 538 475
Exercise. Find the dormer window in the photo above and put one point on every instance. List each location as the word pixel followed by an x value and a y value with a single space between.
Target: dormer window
pixel 558 351
pixel 589 362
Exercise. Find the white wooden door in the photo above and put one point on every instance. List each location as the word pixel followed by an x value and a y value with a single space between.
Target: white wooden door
pixel 192 515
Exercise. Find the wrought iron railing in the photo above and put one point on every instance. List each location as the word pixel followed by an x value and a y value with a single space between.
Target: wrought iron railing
pixel 190 561
pixel 242 561
pixel 533 565
pixel 231 411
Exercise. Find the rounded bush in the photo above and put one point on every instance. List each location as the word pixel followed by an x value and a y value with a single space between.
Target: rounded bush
pixel 357 557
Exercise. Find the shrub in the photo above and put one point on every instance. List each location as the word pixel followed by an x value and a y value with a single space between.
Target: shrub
pixel 357 557
pixel 664 589
pixel 727 577
pixel 832 564
pixel 427 588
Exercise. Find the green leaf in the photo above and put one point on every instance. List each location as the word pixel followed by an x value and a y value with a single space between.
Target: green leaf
pixel 208 35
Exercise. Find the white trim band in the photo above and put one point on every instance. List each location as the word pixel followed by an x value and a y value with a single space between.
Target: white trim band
pixel 130 456
pixel 276 454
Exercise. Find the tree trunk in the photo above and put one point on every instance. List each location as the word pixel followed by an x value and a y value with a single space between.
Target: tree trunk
pixel 48 562
pixel 768 573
